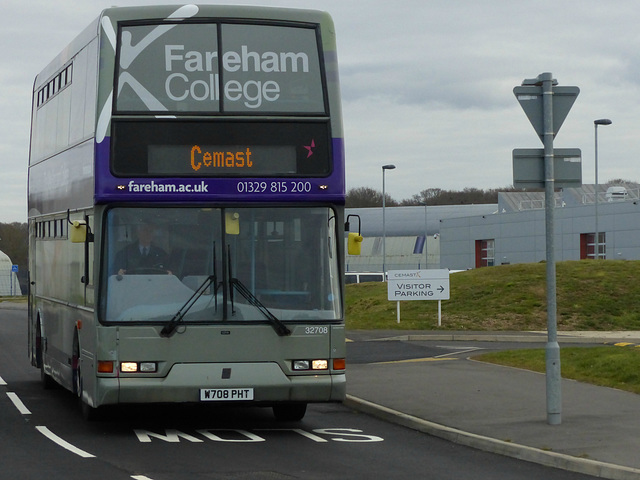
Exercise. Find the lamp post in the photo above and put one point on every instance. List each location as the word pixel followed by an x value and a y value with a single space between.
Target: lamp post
pixel 384 228
pixel 426 236
pixel 601 121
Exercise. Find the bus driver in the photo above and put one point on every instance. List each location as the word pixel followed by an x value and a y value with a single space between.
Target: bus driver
pixel 142 256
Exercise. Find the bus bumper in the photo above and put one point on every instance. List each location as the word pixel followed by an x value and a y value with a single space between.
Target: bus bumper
pixel 183 384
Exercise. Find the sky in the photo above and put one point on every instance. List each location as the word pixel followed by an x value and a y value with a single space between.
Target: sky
pixel 426 85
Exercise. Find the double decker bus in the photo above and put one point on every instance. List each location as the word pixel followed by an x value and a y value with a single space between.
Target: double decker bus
pixel 186 210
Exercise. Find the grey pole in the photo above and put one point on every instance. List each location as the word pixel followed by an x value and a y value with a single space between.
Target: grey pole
pixel 536 95
pixel 552 351
pixel 596 239
pixel 384 228
pixel 426 236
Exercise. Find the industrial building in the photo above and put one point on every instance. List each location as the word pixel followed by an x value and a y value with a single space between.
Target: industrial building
pixel 9 284
pixel 412 235
pixel 461 237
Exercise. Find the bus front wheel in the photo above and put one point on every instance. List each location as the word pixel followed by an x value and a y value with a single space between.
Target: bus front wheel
pixel 45 379
pixel 290 412
pixel 88 412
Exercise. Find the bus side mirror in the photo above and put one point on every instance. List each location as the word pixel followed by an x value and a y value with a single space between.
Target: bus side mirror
pixel 232 223
pixel 78 231
pixel 354 243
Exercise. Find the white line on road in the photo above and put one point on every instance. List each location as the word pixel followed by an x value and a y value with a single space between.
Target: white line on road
pixel 63 443
pixel 140 477
pixel 459 351
pixel 18 403
pixel 2 382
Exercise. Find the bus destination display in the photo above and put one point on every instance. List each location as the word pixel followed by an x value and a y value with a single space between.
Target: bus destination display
pixel 221 160
pixel 220 149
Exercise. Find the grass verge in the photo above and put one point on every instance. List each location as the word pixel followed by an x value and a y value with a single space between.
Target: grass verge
pixel 14 299
pixel 607 366
pixel 591 295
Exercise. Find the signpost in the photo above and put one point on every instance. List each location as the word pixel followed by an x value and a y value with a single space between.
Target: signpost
pixel 14 272
pixel 528 167
pixel 418 285
pixel 546 105
pixel 530 96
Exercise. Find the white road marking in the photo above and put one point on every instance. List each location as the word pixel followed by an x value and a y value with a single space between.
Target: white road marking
pixel 2 382
pixel 18 403
pixel 140 477
pixel 459 351
pixel 63 443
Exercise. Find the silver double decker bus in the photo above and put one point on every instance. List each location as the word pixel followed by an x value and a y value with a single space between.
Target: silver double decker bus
pixel 186 210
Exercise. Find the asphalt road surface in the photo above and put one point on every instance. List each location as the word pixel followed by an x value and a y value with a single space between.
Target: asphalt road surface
pixel 43 435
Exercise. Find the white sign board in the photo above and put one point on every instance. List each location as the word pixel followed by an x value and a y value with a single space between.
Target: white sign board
pixel 418 285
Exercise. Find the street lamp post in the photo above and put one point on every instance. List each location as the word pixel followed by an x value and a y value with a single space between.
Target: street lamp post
pixel 426 236
pixel 601 121
pixel 384 227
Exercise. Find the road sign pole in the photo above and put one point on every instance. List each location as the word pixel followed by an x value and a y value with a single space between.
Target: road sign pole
pixel 546 106
pixel 552 350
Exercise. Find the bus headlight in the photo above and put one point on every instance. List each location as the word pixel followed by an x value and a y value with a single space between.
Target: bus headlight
pixel 138 367
pixel 301 365
pixel 148 367
pixel 129 367
pixel 318 364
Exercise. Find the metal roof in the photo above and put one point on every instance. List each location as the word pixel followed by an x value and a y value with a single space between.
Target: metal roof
pixel 409 221
pixel 527 200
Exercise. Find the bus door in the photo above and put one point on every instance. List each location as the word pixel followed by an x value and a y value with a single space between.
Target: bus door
pixel 81 232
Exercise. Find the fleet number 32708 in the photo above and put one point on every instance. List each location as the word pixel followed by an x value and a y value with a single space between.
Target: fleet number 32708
pixel 320 330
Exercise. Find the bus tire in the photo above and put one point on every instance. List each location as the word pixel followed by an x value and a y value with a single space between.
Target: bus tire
pixel 290 412
pixel 45 380
pixel 89 413
pixel 75 366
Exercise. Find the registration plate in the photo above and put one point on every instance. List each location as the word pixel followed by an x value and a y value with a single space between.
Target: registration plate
pixel 225 394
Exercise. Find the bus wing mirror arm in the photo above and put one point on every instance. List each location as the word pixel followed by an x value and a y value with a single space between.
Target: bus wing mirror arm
pixel 80 231
pixel 347 225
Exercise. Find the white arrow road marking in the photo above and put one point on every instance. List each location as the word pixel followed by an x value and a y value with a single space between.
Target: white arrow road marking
pixel 18 403
pixel 63 443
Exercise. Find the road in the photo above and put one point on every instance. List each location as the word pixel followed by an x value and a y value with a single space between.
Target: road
pixel 42 434
pixel 363 348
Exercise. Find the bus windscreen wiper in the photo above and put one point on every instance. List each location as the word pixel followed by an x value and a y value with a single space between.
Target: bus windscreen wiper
pixel 280 328
pixel 170 327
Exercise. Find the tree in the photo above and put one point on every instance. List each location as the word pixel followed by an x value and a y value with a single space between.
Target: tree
pixel 14 241
pixel 468 196
pixel 363 197
pixel 620 181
